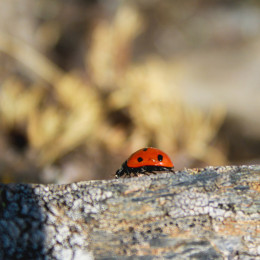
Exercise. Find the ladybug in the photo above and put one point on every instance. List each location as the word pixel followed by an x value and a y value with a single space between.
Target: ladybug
pixel 145 161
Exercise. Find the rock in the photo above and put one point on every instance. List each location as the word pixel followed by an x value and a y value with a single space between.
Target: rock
pixel 210 213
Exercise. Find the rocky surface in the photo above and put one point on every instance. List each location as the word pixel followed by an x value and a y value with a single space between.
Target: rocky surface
pixel 210 213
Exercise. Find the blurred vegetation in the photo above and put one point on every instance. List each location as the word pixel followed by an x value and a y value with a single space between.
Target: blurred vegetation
pixel 61 122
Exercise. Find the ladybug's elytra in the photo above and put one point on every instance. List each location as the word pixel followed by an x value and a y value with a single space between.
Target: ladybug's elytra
pixel 145 161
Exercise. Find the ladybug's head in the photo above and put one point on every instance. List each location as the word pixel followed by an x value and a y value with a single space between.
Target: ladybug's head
pixel 123 170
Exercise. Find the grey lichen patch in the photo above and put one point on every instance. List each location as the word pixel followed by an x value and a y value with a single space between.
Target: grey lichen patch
pixel 189 203
pixel 192 214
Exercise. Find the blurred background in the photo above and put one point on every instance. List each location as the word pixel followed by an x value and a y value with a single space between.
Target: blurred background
pixel 83 84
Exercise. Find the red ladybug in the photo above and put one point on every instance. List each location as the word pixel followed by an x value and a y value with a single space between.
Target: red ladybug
pixel 145 161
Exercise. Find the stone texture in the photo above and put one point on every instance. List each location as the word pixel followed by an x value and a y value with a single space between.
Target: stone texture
pixel 210 213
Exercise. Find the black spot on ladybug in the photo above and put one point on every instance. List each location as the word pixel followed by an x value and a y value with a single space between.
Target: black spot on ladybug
pixel 145 149
pixel 139 159
pixel 160 157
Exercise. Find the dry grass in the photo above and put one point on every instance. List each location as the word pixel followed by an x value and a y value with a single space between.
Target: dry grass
pixel 122 105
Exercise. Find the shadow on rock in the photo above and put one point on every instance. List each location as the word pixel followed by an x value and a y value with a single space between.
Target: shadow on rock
pixel 21 223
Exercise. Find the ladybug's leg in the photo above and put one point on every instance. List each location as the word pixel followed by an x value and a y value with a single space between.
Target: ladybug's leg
pixel 128 173
pixel 131 172
pixel 171 170
pixel 135 171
